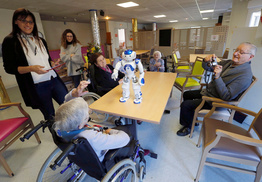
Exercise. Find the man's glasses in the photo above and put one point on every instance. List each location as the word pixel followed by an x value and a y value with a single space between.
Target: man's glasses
pixel 240 52
pixel 25 21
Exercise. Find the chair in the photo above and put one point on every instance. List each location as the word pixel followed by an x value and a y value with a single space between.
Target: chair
pixel 178 65
pixel 191 81
pixel 220 113
pixel 149 55
pixel 230 143
pixel 11 129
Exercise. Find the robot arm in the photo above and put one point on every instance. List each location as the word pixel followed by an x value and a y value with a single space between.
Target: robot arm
pixel 115 73
pixel 141 79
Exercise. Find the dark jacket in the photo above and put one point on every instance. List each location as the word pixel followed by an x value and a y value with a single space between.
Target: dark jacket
pixel 102 80
pixel 13 57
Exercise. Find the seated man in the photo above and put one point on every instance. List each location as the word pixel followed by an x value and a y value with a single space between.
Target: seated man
pixel 73 115
pixel 231 78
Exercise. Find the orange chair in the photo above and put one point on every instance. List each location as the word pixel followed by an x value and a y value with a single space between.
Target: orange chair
pixel 11 129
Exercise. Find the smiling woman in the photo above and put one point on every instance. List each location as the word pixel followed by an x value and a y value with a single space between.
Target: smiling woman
pixel 25 55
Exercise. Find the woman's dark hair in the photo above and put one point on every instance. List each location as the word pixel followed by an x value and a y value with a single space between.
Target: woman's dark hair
pixel 63 38
pixel 93 58
pixel 22 14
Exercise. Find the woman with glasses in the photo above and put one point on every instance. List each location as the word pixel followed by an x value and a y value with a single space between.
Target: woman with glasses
pixel 26 56
pixel 70 53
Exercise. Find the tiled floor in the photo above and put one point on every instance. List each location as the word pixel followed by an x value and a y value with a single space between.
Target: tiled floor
pixel 178 157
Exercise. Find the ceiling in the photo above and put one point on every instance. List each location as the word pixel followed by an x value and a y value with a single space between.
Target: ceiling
pixel 78 10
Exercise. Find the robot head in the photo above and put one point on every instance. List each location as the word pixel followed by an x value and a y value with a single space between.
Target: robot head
pixel 129 55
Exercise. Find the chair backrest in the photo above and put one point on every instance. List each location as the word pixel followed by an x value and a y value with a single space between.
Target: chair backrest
pixel 240 96
pixel 178 55
pixel 197 68
pixel 152 51
pixel 257 124
pixel 225 55
pixel 174 58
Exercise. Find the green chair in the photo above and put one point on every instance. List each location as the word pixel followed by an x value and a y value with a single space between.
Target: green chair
pixel 191 81
pixel 180 66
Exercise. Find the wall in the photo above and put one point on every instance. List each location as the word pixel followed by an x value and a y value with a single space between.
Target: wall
pixel 54 29
pixel 113 28
pixel 6 28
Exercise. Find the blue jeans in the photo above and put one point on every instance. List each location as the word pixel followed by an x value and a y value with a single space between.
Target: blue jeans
pixel 192 99
pixel 53 89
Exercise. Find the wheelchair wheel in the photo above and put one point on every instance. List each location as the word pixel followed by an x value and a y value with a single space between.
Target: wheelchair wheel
pixel 66 172
pixel 123 171
pixel 96 117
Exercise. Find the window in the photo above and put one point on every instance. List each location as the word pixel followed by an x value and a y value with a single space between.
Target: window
pixel 255 17
pixel 165 37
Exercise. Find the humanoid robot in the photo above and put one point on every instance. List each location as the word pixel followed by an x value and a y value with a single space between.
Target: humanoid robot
pixel 130 64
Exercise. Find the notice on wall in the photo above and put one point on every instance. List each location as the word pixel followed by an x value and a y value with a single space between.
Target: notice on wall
pixel 214 37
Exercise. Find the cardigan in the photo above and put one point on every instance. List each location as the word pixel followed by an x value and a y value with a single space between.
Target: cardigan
pixel 13 57
pixel 232 82
pixel 74 62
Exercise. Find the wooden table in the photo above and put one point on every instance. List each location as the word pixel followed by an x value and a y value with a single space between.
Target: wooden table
pixel 192 57
pixel 156 92
pixel 140 52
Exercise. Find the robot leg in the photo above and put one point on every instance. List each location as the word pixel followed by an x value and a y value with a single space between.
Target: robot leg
pixel 125 88
pixel 137 91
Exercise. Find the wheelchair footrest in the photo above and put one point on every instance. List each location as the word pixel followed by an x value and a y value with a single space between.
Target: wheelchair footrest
pixel 153 155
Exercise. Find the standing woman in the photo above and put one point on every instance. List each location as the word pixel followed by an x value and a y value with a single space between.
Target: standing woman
pixel 71 54
pixel 26 56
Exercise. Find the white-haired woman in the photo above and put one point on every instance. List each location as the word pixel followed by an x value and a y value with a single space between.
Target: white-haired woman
pixel 73 115
pixel 156 63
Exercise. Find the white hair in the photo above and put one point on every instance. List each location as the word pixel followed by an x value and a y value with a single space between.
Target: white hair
pixel 157 52
pixel 253 48
pixel 71 114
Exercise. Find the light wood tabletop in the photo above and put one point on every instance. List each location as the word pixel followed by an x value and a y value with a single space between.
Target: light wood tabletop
pixel 140 52
pixel 155 93
pixel 192 57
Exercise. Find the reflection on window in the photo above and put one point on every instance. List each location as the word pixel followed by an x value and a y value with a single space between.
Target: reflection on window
pixel 254 21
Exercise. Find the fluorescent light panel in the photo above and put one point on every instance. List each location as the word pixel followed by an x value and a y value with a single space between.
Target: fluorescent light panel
pixel 128 4
pixel 173 21
pixel 160 16
pixel 204 18
pixel 207 11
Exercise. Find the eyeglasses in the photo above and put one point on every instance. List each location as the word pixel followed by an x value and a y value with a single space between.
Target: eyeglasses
pixel 240 52
pixel 25 21
pixel 69 36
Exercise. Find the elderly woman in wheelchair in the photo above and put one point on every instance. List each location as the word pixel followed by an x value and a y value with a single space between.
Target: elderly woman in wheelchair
pixel 105 155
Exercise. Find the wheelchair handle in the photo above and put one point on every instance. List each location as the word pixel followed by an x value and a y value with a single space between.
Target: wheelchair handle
pixel 64 154
pixel 32 131
pixel 81 68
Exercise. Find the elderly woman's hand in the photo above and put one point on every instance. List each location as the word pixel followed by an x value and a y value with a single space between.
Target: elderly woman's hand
pixel 79 91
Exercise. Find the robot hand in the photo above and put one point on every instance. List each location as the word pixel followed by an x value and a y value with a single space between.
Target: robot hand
pixel 141 80
pixel 114 75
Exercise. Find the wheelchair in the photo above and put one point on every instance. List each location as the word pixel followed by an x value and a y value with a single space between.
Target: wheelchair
pixel 73 160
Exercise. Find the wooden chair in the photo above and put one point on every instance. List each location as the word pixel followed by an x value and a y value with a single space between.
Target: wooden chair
pixel 178 65
pixel 11 129
pixel 220 113
pixel 231 144
pixel 191 81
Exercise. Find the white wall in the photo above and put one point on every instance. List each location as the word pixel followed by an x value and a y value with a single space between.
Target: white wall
pixel 6 28
pixel 113 28
pixel 54 29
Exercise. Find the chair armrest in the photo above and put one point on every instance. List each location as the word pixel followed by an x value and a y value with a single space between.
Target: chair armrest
pixel 213 99
pixel 17 104
pixel 239 138
pixel 229 106
pixel 194 76
pixel 10 104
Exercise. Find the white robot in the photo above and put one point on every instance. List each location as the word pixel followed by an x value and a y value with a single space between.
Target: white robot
pixel 130 64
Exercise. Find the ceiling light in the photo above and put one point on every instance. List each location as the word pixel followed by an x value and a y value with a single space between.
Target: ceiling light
pixel 207 11
pixel 173 21
pixel 160 16
pixel 204 18
pixel 107 17
pixel 127 4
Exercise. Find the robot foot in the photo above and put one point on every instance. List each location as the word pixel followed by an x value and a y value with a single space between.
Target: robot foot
pixel 138 101
pixel 123 99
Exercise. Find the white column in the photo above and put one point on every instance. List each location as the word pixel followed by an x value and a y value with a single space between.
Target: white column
pixel 95 26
